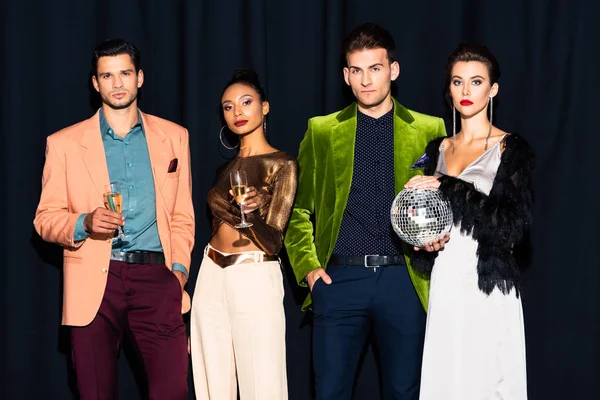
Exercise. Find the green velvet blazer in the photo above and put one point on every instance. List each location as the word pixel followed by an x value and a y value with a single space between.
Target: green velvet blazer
pixel 326 161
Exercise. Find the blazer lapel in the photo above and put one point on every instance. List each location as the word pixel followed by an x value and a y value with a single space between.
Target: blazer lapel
pixel 404 145
pixel 92 153
pixel 155 139
pixel 343 139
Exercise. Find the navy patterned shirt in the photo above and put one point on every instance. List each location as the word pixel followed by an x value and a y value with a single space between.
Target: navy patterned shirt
pixel 366 227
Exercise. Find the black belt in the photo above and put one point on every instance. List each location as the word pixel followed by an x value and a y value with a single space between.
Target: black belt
pixel 138 257
pixel 368 261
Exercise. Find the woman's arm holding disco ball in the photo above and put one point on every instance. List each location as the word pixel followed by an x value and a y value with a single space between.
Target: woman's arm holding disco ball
pixel 428 182
pixel 423 182
pixel 435 245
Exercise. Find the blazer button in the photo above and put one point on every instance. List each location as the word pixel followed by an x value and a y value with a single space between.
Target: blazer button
pixel 104 270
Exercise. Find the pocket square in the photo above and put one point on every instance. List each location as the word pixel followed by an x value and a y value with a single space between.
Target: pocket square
pixel 172 166
pixel 421 162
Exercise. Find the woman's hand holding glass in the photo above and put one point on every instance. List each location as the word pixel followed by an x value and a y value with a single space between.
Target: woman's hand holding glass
pixel 253 199
pixel 239 190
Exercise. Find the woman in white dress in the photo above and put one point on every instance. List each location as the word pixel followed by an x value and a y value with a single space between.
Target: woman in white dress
pixel 475 341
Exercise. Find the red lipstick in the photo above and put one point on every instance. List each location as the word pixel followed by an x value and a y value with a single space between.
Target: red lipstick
pixel 466 102
pixel 241 122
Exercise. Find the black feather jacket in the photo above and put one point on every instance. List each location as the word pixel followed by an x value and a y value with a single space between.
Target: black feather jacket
pixel 497 221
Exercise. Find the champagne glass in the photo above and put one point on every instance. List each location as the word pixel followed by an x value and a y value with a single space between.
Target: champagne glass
pixel 113 200
pixel 239 183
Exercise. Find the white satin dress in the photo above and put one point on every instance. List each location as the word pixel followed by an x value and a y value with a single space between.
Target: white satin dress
pixel 474 343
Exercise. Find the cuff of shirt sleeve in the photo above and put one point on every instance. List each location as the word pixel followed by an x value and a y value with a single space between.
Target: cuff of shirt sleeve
pixel 181 268
pixel 80 233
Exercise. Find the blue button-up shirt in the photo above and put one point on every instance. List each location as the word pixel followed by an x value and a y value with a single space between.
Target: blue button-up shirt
pixel 129 166
pixel 366 227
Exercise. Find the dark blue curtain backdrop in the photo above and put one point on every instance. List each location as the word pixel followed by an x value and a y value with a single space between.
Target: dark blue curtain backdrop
pixel 548 52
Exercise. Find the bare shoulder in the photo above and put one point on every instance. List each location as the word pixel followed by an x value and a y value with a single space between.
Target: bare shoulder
pixel 271 149
pixel 498 135
pixel 445 142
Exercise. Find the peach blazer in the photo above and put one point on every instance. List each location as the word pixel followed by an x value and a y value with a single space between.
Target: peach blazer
pixel 74 178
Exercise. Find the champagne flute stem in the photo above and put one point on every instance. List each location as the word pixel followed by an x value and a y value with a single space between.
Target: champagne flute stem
pixel 243 214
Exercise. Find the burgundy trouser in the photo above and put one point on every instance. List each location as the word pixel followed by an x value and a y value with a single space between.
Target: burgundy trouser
pixel 143 302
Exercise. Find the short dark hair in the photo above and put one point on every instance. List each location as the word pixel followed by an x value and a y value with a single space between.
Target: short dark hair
pixel 370 36
pixel 466 52
pixel 246 77
pixel 115 47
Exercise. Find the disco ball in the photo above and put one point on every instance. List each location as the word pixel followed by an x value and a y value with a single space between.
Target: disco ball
pixel 420 216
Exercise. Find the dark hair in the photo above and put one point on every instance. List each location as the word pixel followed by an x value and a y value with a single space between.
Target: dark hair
pixel 115 47
pixel 466 52
pixel 369 36
pixel 246 77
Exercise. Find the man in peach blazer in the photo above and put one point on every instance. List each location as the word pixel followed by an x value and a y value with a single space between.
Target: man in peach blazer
pixel 129 286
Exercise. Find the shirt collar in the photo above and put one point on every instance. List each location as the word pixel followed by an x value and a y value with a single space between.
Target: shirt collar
pixel 105 128
pixel 385 118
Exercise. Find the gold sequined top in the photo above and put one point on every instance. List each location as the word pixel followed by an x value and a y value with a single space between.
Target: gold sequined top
pixel 274 176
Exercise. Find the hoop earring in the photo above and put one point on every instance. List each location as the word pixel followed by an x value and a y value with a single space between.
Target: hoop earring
pixel 221 140
pixel 453 127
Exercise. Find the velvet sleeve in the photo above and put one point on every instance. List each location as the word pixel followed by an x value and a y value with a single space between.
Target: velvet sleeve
pixel 422 261
pixel 299 237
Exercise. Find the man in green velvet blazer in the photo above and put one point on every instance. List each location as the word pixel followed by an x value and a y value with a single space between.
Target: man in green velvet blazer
pixel 352 296
pixel 325 159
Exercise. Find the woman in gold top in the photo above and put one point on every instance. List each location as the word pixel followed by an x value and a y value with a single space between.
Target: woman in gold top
pixel 238 322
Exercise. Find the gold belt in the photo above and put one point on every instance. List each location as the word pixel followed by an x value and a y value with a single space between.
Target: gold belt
pixel 224 261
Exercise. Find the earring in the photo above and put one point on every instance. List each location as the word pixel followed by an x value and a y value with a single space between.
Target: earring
pixel 453 128
pixel 221 139
pixel 265 125
pixel 491 107
pixel 491 110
